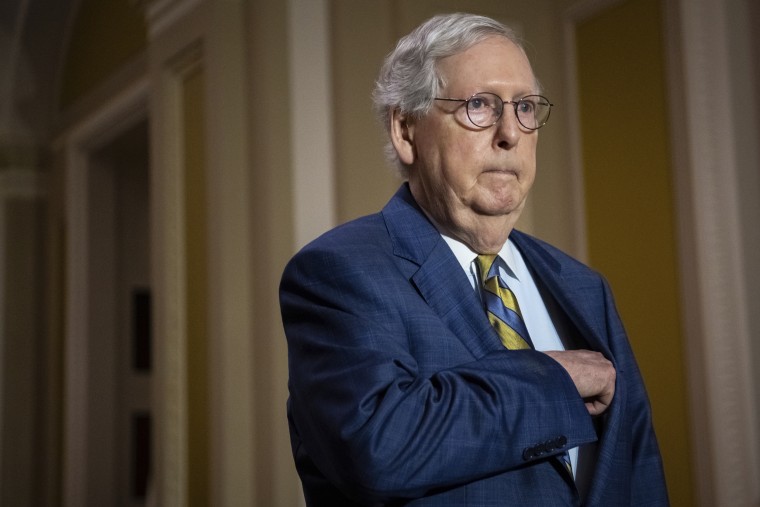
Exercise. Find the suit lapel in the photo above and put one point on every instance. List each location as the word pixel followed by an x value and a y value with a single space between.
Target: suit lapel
pixel 453 299
pixel 433 269
pixel 568 287
pixel 572 288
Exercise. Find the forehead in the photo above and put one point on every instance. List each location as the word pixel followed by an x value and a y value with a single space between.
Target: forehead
pixel 491 64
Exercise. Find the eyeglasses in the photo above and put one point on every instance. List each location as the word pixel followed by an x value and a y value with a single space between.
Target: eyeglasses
pixel 484 109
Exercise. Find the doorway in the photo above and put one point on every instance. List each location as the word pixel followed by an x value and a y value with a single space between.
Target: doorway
pixel 109 422
pixel 120 300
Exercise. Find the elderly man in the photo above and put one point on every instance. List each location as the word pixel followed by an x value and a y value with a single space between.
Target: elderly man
pixel 440 357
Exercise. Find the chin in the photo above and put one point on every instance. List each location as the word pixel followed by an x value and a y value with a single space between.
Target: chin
pixel 502 205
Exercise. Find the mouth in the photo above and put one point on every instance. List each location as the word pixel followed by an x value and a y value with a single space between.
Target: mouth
pixel 501 172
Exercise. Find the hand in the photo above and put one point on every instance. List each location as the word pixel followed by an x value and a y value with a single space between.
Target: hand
pixel 592 374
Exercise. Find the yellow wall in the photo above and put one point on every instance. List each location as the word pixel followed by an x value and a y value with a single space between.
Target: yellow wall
pixel 630 207
pixel 105 35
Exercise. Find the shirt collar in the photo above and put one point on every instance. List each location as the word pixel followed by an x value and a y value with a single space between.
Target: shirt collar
pixel 465 256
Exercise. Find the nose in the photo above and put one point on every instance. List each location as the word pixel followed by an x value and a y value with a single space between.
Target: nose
pixel 508 129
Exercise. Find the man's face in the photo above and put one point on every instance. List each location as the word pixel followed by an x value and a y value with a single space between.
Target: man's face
pixel 463 174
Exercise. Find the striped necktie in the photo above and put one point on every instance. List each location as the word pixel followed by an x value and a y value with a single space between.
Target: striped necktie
pixel 501 306
pixel 504 314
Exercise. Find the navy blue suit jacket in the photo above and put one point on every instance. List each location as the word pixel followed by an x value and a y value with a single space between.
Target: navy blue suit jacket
pixel 402 394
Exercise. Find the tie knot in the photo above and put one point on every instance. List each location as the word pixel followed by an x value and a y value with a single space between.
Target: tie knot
pixel 485 263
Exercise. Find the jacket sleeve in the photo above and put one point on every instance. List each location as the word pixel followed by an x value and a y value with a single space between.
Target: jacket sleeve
pixel 378 428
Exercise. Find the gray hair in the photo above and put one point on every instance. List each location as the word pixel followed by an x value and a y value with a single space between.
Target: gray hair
pixel 409 78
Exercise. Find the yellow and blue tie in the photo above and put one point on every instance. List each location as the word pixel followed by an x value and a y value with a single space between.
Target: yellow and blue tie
pixel 501 306
pixel 504 314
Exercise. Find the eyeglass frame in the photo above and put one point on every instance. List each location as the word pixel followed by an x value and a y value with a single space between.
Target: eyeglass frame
pixel 514 103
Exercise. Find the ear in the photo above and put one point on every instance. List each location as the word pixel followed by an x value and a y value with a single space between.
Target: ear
pixel 402 136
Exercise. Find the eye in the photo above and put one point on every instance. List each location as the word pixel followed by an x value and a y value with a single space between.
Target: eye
pixel 478 103
pixel 484 109
pixel 526 106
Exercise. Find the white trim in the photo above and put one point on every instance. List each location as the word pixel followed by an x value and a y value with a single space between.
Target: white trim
pixel 311 119
pixel 168 274
pixel 573 127
pixel 113 118
pixel 689 282
pixel 231 231
pixel 723 407
pixel 314 199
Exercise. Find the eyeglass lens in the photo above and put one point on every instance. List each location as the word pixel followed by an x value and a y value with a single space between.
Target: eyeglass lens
pixel 485 109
